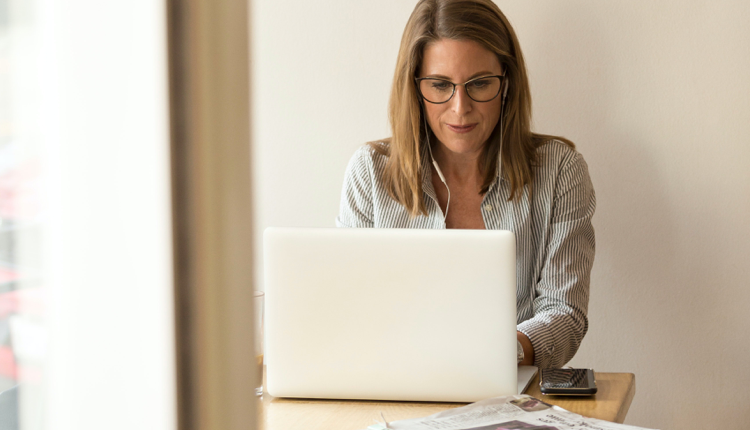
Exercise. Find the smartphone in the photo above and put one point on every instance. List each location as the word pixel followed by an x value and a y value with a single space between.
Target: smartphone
pixel 567 382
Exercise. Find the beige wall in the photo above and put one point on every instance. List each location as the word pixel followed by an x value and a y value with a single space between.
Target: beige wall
pixel 656 96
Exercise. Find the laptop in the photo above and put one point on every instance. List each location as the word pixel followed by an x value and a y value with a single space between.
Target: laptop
pixel 391 314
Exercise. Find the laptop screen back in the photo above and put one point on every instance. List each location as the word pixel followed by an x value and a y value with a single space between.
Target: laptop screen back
pixel 420 315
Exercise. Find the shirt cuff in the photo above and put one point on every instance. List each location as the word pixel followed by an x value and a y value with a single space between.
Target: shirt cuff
pixel 541 340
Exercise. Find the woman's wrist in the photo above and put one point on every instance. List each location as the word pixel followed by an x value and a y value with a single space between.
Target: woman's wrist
pixel 528 349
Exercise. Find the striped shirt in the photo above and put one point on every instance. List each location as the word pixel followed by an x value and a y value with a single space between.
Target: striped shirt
pixel 553 230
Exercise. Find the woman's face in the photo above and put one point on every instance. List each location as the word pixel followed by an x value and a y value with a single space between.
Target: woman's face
pixel 462 125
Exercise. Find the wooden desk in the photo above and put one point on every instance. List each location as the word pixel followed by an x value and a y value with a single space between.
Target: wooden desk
pixel 611 403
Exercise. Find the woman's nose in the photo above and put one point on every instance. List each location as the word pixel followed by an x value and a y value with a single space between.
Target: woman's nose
pixel 462 103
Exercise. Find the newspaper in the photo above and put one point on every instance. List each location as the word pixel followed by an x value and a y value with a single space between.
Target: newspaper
pixel 504 413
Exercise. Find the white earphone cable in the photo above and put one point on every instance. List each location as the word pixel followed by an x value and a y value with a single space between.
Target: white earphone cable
pixel 434 163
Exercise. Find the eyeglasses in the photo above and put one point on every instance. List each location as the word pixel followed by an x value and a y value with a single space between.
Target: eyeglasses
pixel 481 89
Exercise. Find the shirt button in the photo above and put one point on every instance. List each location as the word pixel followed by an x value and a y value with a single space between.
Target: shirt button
pixel 488 207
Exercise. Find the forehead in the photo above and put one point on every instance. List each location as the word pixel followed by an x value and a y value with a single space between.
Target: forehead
pixel 459 60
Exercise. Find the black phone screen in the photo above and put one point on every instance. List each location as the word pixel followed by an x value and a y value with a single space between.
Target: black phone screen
pixel 568 381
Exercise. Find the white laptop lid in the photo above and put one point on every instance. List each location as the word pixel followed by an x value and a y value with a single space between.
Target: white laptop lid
pixel 420 315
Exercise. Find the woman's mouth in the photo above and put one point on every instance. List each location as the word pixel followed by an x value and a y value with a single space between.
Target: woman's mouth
pixel 461 128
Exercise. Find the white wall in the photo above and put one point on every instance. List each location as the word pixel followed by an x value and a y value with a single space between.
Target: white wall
pixel 656 96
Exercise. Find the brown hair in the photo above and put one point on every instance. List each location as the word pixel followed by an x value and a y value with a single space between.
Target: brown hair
pixel 483 22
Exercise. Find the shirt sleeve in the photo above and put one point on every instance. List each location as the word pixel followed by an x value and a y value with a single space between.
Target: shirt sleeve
pixel 356 208
pixel 562 292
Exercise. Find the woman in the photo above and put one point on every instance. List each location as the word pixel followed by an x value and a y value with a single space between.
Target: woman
pixel 462 155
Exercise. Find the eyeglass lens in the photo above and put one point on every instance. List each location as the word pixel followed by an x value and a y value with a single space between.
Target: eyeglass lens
pixel 440 90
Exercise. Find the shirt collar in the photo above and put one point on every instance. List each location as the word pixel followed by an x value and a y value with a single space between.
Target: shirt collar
pixel 427 172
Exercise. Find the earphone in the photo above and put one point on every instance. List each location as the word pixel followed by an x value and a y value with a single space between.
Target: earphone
pixel 429 146
pixel 434 163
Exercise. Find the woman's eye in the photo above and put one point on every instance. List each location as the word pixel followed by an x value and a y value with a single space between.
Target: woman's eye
pixel 480 83
pixel 441 86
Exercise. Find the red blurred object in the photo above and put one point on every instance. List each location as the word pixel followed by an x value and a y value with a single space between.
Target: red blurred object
pixel 10 369
pixel 8 304
pixel 8 366
pixel 20 191
pixel 7 275
pixel 31 301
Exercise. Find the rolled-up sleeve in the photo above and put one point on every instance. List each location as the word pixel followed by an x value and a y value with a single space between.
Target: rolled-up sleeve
pixel 562 291
pixel 356 208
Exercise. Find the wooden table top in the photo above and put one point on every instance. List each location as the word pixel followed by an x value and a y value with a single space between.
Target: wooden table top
pixel 611 403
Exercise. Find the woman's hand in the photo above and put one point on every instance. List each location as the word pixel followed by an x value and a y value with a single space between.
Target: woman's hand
pixel 528 349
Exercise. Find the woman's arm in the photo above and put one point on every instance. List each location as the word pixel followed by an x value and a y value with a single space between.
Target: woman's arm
pixel 562 291
pixel 356 208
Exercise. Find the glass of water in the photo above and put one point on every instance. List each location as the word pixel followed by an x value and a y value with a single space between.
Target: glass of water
pixel 258 299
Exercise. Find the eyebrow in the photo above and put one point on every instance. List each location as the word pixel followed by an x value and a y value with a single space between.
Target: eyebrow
pixel 475 75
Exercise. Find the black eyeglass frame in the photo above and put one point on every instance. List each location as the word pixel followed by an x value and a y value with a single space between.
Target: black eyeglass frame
pixel 500 89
